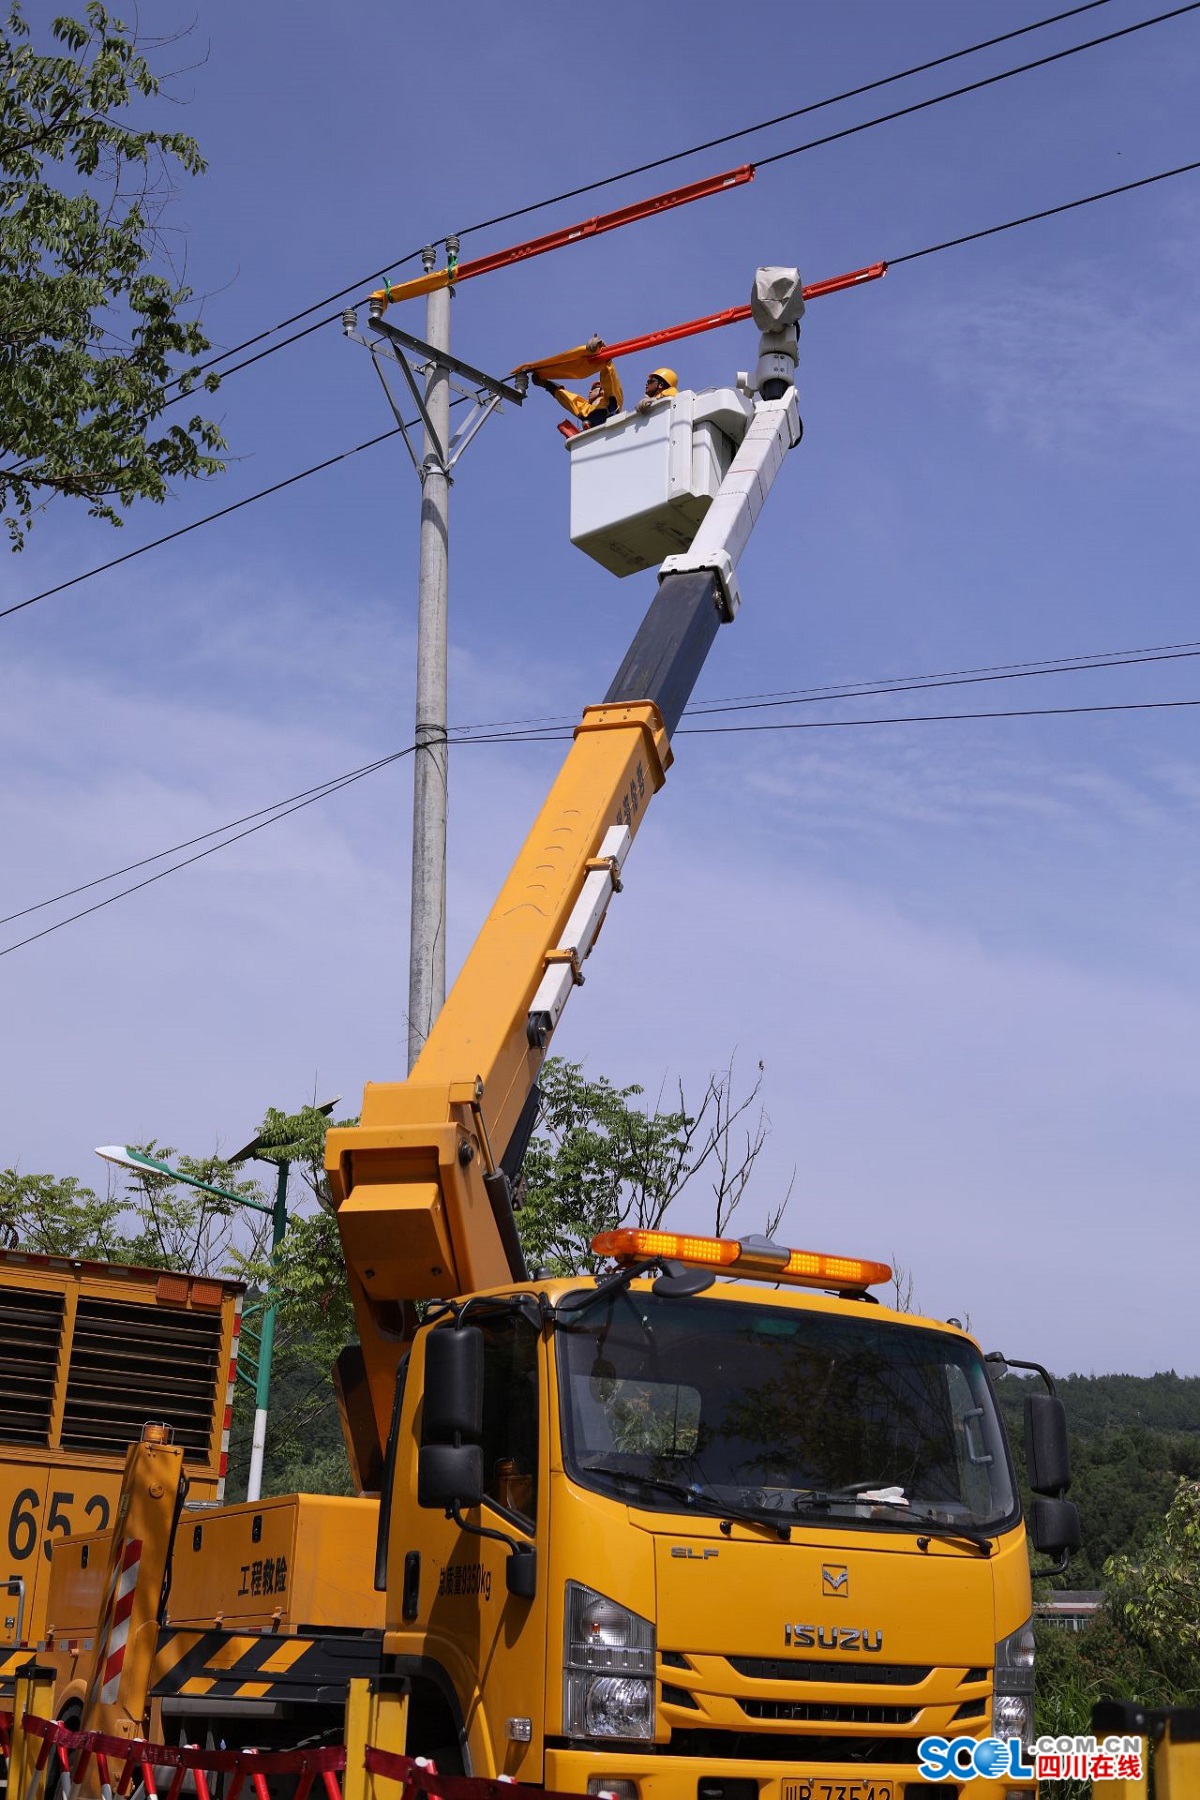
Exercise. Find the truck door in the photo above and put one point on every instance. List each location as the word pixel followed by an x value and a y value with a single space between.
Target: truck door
pixel 500 1637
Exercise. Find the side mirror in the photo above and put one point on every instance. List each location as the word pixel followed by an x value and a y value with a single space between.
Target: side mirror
pixel 450 1461
pixel 1054 1528
pixel 1047 1453
pixel 453 1407
pixel 449 1476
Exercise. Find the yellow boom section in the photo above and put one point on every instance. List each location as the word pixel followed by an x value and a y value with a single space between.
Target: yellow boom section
pixel 408 1182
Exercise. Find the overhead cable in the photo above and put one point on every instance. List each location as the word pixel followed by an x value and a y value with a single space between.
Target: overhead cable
pixel 974 87
pixel 1048 212
pixel 318 792
pixel 897 684
pixel 660 162
pixel 462 734
pixel 1028 712
pixel 311 796
pixel 223 512
pixel 1025 712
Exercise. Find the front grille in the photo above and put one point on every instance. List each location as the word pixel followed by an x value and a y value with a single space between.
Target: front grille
pixel 972 1709
pixel 769 1668
pixel 132 1363
pixel 828 1713
pixel 760 1747
pixel 30 1331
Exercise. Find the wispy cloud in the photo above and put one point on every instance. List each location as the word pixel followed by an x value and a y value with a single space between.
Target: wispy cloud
pixel 1075 361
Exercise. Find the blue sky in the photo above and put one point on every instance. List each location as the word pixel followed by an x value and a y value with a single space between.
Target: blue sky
pixel 966 953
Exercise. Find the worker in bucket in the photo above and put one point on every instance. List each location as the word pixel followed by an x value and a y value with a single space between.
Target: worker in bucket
pixel 597 406
pixel 661 384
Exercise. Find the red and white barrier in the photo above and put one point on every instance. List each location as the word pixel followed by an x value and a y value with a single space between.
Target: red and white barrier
pixel 136 1761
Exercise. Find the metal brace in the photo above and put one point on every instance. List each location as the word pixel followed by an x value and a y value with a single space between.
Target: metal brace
pixel 486 391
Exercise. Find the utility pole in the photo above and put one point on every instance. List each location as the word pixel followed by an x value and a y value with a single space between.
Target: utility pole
pixel 396 352
pixel 427 919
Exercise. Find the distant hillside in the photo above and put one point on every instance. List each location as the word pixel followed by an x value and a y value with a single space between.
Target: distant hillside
pixel 1133 1437
pixel 1103 1403
pixel 1164 1402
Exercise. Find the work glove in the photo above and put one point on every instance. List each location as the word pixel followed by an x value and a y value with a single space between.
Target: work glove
pixel 645 403
pixel 593 345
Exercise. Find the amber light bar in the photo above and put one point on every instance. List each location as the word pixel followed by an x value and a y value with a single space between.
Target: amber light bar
pixel 770 1262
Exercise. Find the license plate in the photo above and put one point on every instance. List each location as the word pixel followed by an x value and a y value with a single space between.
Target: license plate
pixel 816 1787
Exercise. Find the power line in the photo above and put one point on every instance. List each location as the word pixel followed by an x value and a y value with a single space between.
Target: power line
pixel 1025 712
pixel 880 685
pixel 182 531
pixel 1048 212
pixel 463 734
pixel 317 793
pixel 316 468
pixel 1029 712
pixel 974 87
pixel 332 787
pixel 915 684
pixel 310 796
pixel 644 168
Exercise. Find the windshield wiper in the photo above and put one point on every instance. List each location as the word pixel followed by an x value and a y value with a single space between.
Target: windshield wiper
pixel 936 1527
pixel 690 1496
pixel 939 1528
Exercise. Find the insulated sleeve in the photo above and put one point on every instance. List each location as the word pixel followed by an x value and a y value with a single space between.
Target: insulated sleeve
pixel 576 404
pixel 610 381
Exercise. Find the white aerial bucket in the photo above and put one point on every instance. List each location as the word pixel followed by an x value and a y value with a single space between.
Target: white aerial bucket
pixel 642 483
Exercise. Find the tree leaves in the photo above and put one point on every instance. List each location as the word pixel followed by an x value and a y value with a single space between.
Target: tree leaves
pixel 1156 1595
pixel 90 332
pixel 597 1161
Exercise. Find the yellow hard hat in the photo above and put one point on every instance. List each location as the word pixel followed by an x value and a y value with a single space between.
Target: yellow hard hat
pixel 668 376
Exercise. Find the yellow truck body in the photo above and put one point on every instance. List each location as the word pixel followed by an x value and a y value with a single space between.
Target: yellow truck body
pixel 88 1353
pixel 663 1534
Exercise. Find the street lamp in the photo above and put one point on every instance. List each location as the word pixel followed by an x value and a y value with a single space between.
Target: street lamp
pixel 126 1157
pixel 256 1149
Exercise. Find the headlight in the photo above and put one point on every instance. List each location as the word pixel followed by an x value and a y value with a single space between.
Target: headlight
pixel 608 1668
pixel 1012 1702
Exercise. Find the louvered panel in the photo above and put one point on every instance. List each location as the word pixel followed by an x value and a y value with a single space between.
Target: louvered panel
pixel 133 1363
pixel 30 1333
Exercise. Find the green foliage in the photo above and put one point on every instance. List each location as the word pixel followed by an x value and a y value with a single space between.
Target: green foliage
pixel 58 1217
pixel 598 1161
pixel 1162 1402
pixel 90 332
pixel 595 1162
pixel 314 1315
pixel 1124 1474
pixel 1123 1484
pixel 178 1227
pixel 153 1222
pixel 1156 1594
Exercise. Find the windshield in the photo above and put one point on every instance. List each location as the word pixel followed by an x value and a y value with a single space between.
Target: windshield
pixel 792 1415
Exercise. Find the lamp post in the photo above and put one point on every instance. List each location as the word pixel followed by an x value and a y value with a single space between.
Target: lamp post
pixel 127 1158
pixel 258 1149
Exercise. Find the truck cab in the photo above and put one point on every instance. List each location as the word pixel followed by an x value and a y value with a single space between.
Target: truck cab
pixel 761 1541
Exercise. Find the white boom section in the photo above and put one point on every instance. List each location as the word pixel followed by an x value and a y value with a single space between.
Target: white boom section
pixel 564 968
pixel 727 525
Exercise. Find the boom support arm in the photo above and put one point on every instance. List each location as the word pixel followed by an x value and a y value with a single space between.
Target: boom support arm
pixel 421 1186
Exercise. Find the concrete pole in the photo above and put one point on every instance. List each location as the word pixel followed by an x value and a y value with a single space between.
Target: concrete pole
pixel 427 932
